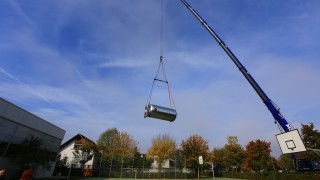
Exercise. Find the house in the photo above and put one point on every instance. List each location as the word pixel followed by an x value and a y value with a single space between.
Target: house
pixel 168 163
pixel 168 166
pixel 68 149
pixel 16 125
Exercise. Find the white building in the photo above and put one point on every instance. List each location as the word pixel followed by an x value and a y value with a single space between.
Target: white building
pixel 168 163
pixel 67 149
pixel 16 125
pixel 168 166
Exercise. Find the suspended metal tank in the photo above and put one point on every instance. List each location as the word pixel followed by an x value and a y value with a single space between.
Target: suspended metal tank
pixel 159 112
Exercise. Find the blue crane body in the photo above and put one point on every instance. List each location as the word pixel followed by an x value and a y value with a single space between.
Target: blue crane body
pixel 282 123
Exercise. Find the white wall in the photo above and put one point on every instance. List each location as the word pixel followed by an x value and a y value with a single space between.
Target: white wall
pixel 67 152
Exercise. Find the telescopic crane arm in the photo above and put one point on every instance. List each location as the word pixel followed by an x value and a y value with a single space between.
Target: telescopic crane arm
pixel 275 111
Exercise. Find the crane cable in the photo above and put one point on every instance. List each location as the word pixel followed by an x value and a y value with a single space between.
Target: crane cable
pixel 161 29
pixel 160 66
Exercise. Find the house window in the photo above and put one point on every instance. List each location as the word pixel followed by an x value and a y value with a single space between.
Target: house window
pixel 77 146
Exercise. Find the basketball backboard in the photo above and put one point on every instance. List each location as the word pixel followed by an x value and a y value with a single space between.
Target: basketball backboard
pixel 290 142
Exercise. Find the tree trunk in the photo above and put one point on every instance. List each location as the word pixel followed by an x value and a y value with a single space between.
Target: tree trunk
pixel 159 169
pixel 121 170
pixel 198 173
pixel 121 167
pixel 111 166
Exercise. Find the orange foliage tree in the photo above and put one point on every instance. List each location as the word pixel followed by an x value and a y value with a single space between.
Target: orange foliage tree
pixel 192 148
pixel 257 155
pixel 217 157
pixel 163 147
pixel 124 147
pixel 234 153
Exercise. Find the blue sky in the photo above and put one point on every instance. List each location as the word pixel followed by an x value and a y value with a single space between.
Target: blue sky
pixel 87 66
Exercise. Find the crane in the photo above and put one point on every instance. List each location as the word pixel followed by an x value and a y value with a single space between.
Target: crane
pixel 282 123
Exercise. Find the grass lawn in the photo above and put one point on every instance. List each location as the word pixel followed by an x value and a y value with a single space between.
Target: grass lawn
pixel 95 178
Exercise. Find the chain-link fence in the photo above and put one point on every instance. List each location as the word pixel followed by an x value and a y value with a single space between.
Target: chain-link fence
pixel 134 173
pixel 169 173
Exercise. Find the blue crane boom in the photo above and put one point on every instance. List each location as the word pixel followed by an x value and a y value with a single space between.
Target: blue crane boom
pixel 275 110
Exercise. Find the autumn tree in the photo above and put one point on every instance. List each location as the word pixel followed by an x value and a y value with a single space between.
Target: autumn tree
pixel 124 148
pixel 141 161
pixel 233 153
pixel 311 139
pixel 257 155
pixel 179 160
pixel 274 164
pixel 105 146
pixel 162 148
pixel 192 148
pixel 217 157
pixel 85 151
pixel 285 161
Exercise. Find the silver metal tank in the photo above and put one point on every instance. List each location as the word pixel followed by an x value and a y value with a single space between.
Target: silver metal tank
pixel 159 112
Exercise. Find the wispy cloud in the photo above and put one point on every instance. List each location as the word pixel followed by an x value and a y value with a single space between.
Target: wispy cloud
pixel 303 16
pixel 25 87
pixel 124 63
pixel 20 12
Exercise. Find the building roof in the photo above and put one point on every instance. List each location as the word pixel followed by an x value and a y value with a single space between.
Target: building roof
pixel 17 114
pixel 75 138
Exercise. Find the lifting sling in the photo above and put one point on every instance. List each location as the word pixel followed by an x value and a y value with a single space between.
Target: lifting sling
pixel 160 112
